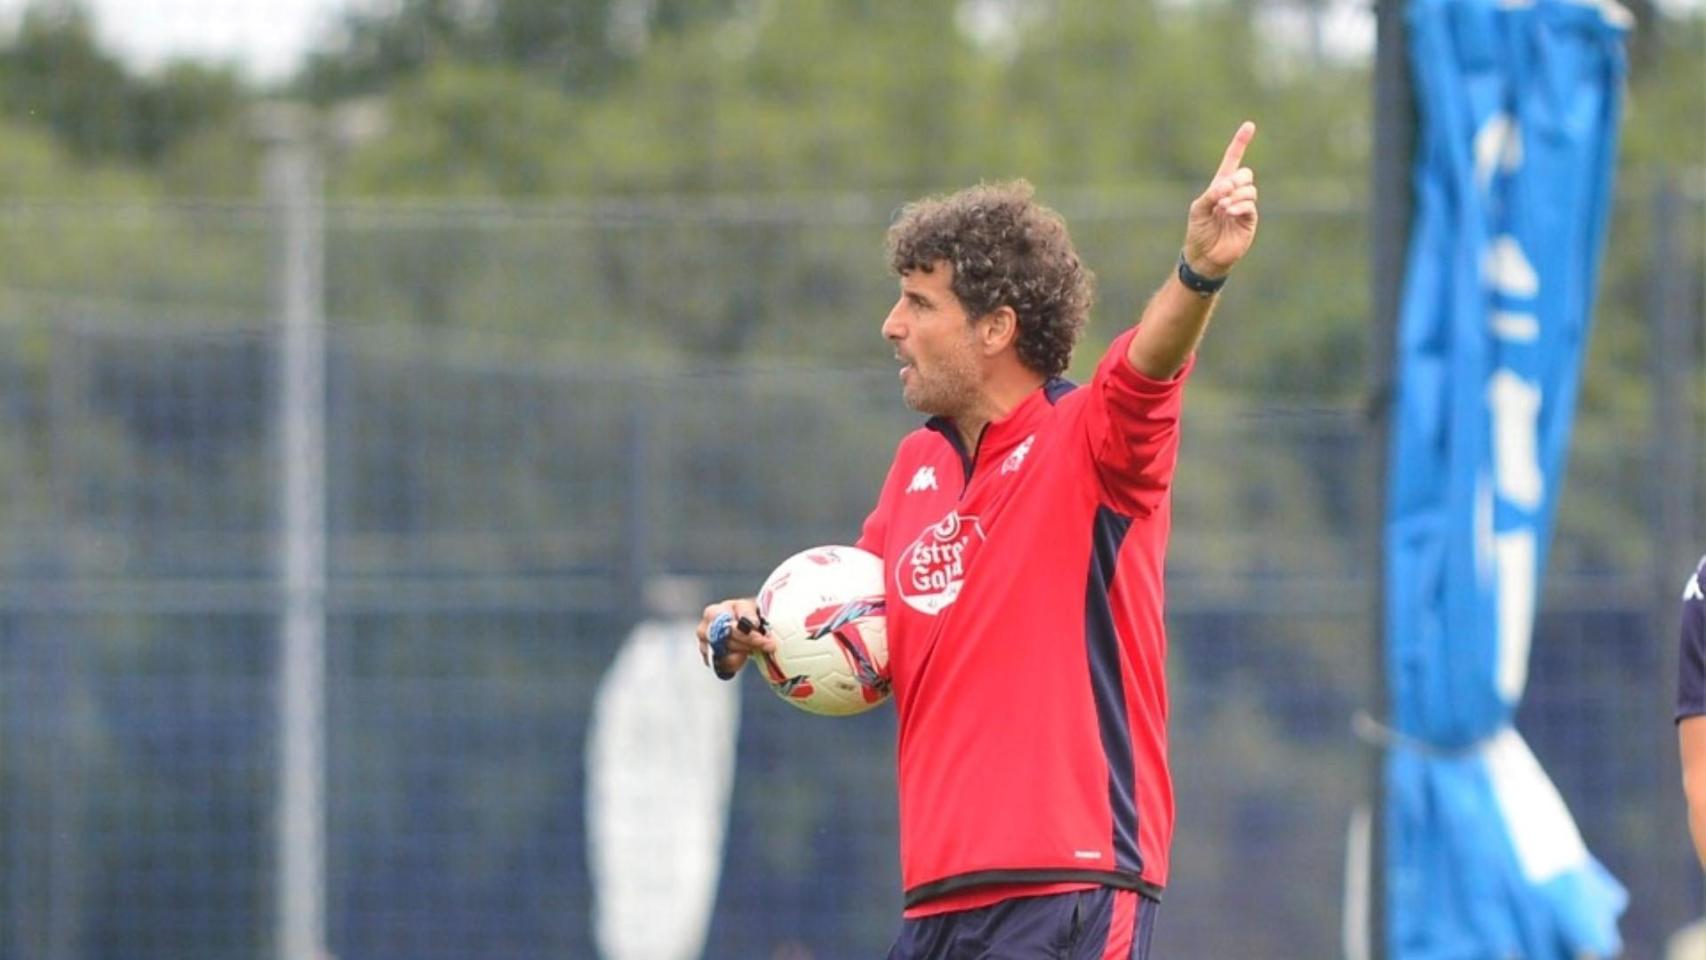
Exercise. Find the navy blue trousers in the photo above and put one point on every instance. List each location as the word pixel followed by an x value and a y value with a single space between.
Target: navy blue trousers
pixel 1099 924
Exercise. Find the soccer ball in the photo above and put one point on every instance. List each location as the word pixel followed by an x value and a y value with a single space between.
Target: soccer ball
pixel 824 607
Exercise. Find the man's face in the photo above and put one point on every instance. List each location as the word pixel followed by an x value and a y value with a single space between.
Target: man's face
pixel 941 372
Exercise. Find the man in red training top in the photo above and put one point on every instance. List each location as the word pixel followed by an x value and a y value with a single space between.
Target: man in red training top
pixel 1023 530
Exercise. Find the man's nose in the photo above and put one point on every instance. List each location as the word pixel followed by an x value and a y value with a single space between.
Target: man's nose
pixel 893 328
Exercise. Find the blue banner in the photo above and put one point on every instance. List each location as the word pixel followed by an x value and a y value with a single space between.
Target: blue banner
pixel 1519 104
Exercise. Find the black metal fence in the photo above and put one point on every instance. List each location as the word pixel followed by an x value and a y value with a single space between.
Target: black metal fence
pixel 533 416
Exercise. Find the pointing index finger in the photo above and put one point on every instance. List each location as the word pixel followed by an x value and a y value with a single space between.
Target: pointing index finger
pixel 1234 157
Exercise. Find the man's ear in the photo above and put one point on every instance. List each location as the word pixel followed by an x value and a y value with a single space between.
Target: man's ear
pixel 997 329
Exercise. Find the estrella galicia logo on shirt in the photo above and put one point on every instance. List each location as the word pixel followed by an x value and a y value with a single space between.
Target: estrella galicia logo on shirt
pixel 932 570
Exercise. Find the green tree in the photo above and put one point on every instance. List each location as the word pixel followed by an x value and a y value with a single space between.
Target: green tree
pixel 578 46
pixel 54 73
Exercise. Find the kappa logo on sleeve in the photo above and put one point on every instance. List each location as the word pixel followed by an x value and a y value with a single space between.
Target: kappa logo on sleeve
pixel 932 570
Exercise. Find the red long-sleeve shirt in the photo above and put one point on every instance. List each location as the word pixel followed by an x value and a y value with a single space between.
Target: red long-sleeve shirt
pixel 1027 645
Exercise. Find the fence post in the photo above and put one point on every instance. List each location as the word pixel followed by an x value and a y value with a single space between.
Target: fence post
pixel 1671 453
pixel 1389 238
pixel 50 917
pixel 1672 413
pixel 293 192
pixel 637 522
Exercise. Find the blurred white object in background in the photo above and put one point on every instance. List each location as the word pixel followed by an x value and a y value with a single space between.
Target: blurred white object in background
pixel 660 767
pixel 1688 943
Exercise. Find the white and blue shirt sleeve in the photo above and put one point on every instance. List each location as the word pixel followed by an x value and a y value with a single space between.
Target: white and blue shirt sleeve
pixel 1691 659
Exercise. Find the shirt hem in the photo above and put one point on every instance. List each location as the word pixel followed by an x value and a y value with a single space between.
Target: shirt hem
pixel 923 893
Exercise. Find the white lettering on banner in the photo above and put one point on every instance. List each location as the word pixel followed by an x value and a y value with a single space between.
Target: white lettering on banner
pixel 1506 539
pixel 1507 269
pixel 1498 146
pixel 1515 405
pixel 1486 548
pixel 1516 327
pixel 1515 551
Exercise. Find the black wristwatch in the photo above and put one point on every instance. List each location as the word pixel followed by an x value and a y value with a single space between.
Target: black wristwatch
pixel 1197 283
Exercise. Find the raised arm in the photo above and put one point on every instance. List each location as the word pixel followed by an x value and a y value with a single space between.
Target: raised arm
pixel 1691 737
pixel 1219 231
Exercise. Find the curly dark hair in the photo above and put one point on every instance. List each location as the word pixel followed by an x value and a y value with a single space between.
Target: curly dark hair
pixel 1006 249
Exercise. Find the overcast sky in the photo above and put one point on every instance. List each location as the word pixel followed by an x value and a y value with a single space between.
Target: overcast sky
pixel 265 37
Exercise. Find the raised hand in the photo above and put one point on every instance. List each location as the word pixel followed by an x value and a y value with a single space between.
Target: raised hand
pixel 1222 223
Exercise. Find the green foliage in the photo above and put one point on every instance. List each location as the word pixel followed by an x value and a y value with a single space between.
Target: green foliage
pixel 465 131
pixel 802 99
pixel 823 94
pixel 54 73
pixel 1665 125
pixel 574 47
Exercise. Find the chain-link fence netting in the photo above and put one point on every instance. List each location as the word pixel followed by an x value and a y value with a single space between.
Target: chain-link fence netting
pixel 544 426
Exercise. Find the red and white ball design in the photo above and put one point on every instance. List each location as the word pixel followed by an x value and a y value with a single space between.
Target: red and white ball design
pixel 826 610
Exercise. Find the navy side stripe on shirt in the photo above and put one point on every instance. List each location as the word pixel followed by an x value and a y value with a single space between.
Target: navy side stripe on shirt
pixel 1105 677
pixel 1691 657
